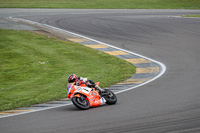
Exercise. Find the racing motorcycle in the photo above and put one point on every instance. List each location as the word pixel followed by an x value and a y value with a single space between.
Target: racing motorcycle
pixel 84 97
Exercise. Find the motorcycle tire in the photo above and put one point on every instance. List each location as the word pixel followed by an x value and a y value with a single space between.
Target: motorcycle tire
pixel 111 98
pixel 81 103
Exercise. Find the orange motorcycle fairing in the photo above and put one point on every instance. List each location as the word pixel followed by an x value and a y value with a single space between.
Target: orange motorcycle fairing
pixel 94 99
pixel 77 95
pixel 84 97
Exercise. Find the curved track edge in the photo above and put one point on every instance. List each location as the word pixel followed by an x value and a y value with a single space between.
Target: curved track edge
pixel 147 69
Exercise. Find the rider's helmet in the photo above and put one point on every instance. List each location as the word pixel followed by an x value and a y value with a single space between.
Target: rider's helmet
pixel 72 78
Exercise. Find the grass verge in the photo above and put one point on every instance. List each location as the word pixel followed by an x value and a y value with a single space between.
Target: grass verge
pixel 34 68
pixel 196 15
pixel 102 4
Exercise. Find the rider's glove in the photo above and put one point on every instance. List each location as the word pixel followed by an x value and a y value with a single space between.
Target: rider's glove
pixel 78 83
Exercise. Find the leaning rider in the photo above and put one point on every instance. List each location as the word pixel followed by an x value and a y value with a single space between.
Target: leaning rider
pixel 80 80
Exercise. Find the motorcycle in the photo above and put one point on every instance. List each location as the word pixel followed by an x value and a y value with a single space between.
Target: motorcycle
pixel 84 97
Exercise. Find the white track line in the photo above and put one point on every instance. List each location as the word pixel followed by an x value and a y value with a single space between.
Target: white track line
pixel 163 67
pixel 35 110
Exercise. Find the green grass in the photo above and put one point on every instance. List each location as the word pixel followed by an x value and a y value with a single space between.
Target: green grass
pixel 35 68
pixel 102 4
pixel 196 15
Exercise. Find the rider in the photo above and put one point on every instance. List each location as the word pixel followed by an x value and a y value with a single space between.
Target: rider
pixel 80 80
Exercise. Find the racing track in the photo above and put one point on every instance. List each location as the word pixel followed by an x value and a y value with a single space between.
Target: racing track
pixel 168 104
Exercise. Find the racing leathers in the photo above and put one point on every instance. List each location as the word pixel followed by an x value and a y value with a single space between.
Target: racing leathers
pixel 89 83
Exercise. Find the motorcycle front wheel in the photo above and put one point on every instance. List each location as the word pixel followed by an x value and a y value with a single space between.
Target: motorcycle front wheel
pixel 81 103
pixel 111 98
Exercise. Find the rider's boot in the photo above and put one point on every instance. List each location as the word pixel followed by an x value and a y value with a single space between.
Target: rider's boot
pixel 100 90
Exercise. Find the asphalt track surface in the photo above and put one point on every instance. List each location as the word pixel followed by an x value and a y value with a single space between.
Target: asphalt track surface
pixel 169 104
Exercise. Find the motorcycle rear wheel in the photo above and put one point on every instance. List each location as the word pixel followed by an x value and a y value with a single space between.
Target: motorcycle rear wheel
pixel 81 103
pixel 111 98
